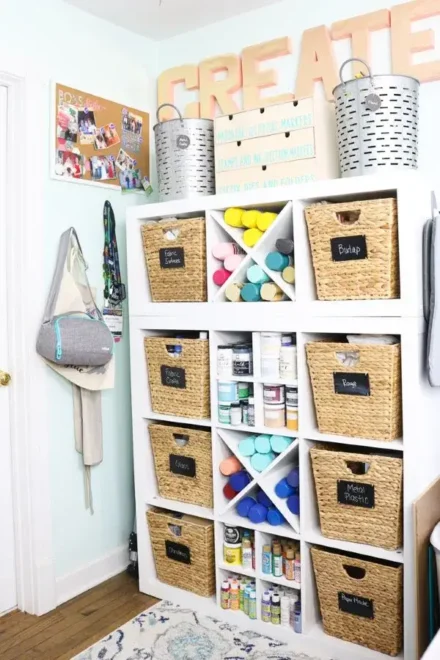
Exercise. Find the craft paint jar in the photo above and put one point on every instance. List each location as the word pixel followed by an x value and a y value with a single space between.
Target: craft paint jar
pixel 274 415
pixel 292 396
pixel 224 361
pixel 270 367
pixel 288 362
pixel 243 390
pixel 227 391
pixel 224 413
pixel 235 413
pixel 231 534
pixel 232 554
pixel 242 360
pixel 270 344
pixel 273 394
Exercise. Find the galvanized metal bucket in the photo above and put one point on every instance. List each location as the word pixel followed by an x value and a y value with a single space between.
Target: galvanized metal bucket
pixel 185 157
pixel 377 122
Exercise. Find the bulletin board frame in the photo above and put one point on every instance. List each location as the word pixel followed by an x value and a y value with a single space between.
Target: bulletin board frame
pixel 126 141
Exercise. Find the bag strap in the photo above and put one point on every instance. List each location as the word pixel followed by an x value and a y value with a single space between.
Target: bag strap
pixel 114 290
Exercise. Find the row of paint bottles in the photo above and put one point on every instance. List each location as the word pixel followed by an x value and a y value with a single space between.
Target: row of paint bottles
pixel 281 608
pixel 239 594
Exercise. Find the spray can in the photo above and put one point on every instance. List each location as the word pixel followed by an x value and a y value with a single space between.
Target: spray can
pixel 224 599
pixel 253 604
pixel 275 610
pixel 266 607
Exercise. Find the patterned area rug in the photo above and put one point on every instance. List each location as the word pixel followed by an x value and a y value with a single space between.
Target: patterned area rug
pixel 169 632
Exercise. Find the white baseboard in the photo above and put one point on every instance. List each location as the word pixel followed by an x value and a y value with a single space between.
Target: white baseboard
pixel 89 576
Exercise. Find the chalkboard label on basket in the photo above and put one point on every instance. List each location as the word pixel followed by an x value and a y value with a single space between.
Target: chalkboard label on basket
pixel 178 552
pixel 172 257
pixel 351 383
pixel 183 141
pixel 183 465
pixel 173 377
pixel 348 248
pixel 356 494
pixel 356 605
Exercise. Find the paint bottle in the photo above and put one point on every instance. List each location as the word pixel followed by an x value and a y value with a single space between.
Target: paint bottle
pixel 275 610
pixel 297 625
pixel 285 611
pixel 235 413
pixel 233 291
pixel 246 552
pixel 266 607
pixel 251 411
pixel 253 604
pixel 224 599
pixel 243 586
pixel 234 596
pixel 277 559
pixel 290 563
pixel 266 560
pixel 224 361
pixel 298 567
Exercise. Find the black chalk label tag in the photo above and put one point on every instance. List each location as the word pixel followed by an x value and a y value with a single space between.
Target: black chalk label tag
pixel 173 377
pixel 363 607
pixel 355 384
pixel 349 248
pixel 172 257
pixel 178 552
pixel 356 494
pixel 184 465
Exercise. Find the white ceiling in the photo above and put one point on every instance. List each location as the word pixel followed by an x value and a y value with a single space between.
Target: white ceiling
pixel 160 19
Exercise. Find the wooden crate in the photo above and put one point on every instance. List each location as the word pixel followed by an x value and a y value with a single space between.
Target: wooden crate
pixel 279 145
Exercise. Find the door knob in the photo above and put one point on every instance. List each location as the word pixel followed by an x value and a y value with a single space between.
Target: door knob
pixel 4 378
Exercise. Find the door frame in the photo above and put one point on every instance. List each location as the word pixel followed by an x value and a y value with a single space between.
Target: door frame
pixel 27 178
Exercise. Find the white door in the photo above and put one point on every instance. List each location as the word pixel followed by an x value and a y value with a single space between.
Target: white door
pixel 8 588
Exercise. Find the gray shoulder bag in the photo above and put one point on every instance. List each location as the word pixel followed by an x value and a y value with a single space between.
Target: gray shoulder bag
pixel 78 339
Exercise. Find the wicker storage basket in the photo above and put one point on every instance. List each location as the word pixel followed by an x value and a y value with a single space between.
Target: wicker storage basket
pixel 366 609
pixel 363 508
pixel 183 461
pixel 374 409
pixel 176 268
pixel 355 249
pixel 183 548
pixel 179 383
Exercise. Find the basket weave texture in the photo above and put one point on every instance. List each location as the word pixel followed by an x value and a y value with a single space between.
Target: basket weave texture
pixel 183 284
pixel 191 401
pixel 375 277
pixel 381 525
pixel 195 490
pixel 381 583
pixel 196 534
pixel 378 416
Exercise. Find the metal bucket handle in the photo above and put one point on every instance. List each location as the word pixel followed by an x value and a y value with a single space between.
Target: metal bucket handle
pixel 355 59
pixel 170 105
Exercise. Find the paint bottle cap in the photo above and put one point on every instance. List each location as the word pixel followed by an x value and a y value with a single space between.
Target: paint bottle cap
pixel 225 585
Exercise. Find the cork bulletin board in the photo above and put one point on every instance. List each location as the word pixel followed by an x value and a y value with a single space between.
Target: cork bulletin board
pixel 99 142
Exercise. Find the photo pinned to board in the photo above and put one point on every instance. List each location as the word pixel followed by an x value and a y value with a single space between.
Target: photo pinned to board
pixel 69 164
pixel 67 124
pixel 106 136
pixel 132 126
pixel 124 161
pixel 131 180
pixel 87 126
pixel 103 168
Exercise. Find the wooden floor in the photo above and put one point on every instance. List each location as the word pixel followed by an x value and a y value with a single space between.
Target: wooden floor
pixel 72 627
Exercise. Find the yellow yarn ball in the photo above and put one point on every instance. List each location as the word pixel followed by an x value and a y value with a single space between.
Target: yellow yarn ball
pixel 250 218
pixel 233 217
pixel 265 220
pixel 252 236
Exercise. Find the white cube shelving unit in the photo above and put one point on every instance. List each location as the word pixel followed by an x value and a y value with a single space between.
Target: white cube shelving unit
pixel 310 319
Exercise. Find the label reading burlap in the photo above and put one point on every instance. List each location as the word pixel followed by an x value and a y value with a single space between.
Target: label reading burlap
pixel 348 248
